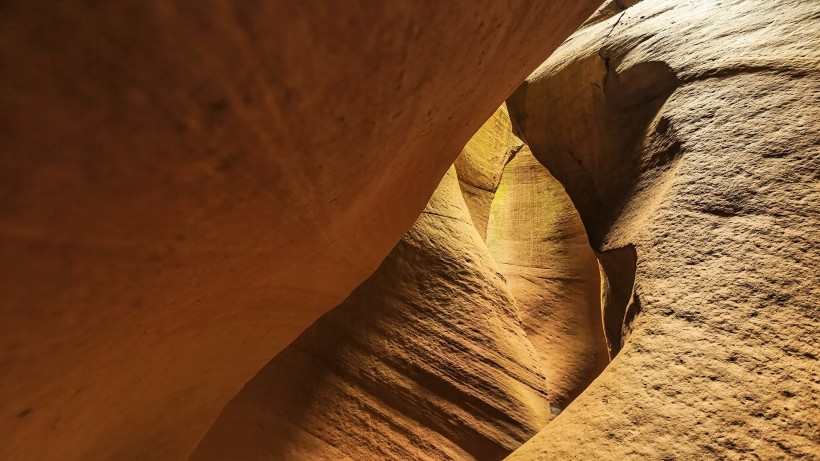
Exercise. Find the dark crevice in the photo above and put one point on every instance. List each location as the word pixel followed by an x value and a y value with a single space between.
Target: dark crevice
pixel 432 213
pixel 619 303
pixel 513 152
pixel 620 16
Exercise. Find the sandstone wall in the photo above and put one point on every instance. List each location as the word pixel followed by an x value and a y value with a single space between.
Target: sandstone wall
pixel 689 132
pixel 457 347
pixel 425 360
pixel 186 186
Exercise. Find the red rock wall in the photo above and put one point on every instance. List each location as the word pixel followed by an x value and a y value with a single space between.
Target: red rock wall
pixel 186 186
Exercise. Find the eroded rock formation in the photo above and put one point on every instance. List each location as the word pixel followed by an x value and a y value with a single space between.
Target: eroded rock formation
pixel 538 240
pixel 186 186
pixel 689 132
pixel 533 232
pixel 442 353
pixel 425 360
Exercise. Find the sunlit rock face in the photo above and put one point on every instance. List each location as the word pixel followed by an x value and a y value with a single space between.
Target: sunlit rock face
pixel 534 233
pixel 539 242
pixel 186 186
pixel 185 189
pixel 460 346
pixel 686 134
pixel 425 360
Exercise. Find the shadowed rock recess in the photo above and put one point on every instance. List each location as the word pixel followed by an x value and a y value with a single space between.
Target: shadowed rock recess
pixel 198 203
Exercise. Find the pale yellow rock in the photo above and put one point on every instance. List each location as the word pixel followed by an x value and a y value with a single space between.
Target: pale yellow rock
pixel 481 163
pixel 539 242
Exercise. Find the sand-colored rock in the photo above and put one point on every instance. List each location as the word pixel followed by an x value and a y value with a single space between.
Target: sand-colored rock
pixel 533 232
pixel 425 360
pixel 539 242
pixel 535 235
pixel 441 354
pixel 186 186
pixel 481 163
pixel 688 130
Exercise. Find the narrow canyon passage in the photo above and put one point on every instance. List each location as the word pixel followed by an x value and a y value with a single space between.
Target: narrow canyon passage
pixel 662 268
pixel 518 310
pixel 185 187
pixel 408 230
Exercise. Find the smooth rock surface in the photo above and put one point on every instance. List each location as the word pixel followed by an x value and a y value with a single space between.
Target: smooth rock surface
pixel 425 360
pixel 689 131
pixel 481 164
pixel 539 242
pixel 186 186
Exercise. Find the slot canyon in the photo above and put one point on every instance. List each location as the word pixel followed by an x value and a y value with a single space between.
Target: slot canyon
pixel 410 230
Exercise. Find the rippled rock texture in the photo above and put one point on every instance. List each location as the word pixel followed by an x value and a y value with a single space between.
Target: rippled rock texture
pixel 425 360
pixel 186 186
pixel 460 346
pixel 622 263
pixel 687 135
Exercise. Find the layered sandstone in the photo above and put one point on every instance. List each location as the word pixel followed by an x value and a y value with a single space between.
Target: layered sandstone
pixel 533 232
pixel 186 186
pixel 425 360
pixel 460 346
pixel 686 134
pixel 539 242
pixel 184 189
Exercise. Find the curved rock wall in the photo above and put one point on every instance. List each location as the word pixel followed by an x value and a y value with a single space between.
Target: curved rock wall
pixel 425 360
pixel 539 242
pixel 453 349
pixel 534 233
pixel 186 186
pixel 688 130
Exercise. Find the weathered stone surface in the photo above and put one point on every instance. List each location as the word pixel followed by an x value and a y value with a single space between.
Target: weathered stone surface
pixel 539 242
pixel 689 130
pixel 425 360
pixel 433 357
pixel 535 235
pixel 481 163
pixel 186 186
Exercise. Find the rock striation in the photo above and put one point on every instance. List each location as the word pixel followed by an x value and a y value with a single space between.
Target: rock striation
pixel 620 264
pixel 535 235
pixel 539 242
pixel 186 186
pixel 686 135
pixel 425 360
pixel 443 353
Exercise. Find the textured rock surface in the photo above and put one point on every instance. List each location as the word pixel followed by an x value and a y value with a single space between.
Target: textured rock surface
pixel 690 131
pixel 425 360
pixel 539 242
pixel 433 357
pixel 481 163
pixel 534 233
pixel 186 186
